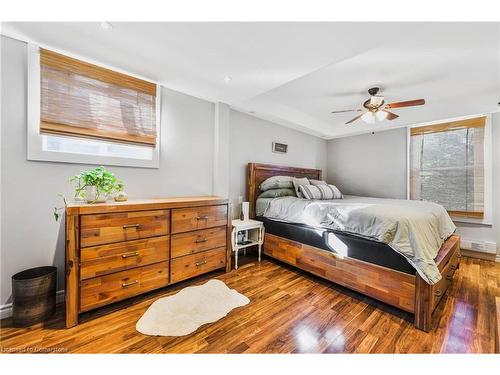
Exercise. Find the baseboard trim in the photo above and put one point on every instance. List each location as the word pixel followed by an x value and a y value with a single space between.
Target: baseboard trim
pixel 6 310
pixel 480 255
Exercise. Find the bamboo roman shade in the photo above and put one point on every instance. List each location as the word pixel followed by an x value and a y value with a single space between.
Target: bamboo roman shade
pixel 447 166
pixel 85 100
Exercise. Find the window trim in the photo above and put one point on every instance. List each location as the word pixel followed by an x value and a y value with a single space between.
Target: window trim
pixel 35 149
pixel 486 218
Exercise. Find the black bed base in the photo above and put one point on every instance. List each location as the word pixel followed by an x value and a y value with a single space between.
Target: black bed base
pixel 338 242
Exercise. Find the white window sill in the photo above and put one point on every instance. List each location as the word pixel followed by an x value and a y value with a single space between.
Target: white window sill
pixel 470 220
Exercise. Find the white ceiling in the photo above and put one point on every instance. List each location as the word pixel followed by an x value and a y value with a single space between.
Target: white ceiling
pixel 297 73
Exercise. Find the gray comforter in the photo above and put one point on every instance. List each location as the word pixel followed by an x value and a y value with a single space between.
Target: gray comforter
pixel 415 229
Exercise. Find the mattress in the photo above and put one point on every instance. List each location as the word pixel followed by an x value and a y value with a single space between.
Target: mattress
pixel 340 243
pixel 414 229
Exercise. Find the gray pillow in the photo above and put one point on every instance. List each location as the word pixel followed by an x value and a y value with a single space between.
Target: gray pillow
pixel 297 182
pixel 277 182
pixel 317 182
pixel 275 193
pixel 325 192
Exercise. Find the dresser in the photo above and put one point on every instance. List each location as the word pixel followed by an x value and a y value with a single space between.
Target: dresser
pixel 122 249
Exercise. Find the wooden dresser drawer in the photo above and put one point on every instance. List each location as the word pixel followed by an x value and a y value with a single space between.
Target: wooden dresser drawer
pixel 193 265
pixel 108 228
pixel 200 240
pixel 188 219
pixel 103 290
pixel 104 259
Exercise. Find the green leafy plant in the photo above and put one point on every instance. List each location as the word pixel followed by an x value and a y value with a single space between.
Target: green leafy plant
pixel 104 181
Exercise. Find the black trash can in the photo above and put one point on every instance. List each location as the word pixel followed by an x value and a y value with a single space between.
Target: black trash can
pixel 33 295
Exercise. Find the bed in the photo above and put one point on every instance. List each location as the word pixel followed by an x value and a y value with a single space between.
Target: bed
pixel 367 266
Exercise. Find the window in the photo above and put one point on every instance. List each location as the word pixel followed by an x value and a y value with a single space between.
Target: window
pixel 84 113
pixel 447 166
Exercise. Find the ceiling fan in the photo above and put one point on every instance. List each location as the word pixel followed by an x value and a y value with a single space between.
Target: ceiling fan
pixel 377 110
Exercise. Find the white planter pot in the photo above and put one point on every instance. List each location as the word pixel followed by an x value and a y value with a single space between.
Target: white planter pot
pixel 91 195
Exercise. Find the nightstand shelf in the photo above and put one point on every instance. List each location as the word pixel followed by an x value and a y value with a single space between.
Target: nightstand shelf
pixel 243 246
pixel 251 230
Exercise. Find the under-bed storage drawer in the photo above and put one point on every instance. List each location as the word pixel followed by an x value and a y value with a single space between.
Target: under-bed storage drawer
pixel 108 228
pixel 104 259
pixel 440 288
pixel 103 290
pixel 196 264
pixel 197 241
pixel 188 219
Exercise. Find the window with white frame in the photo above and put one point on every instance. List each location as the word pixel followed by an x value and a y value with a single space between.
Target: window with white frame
pixel 448 165
pixel 84 113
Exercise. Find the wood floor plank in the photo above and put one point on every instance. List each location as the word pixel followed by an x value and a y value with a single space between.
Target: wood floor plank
pixel 290 311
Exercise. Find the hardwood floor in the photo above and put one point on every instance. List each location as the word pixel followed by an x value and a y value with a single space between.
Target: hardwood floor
pixel 289 312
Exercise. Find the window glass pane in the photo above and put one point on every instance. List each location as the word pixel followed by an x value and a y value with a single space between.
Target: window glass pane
pixel 443 175
pixel 447 167
pixel 95 147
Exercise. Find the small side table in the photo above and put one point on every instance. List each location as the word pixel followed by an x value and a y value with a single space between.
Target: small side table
pixel 253 233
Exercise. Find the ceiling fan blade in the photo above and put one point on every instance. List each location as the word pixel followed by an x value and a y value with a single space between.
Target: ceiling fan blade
pixel 409 103
pixel 390 115
pixel 355 118
pixel 348 110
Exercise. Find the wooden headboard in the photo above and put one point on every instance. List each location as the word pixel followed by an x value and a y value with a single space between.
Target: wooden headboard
pixel 257 173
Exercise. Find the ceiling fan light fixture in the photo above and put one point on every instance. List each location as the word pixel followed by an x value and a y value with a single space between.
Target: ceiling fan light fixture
pixel 381 115
pixel 375 110
pixel 368 117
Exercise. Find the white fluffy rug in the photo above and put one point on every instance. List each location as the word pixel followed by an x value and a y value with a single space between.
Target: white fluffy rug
pixel 186 311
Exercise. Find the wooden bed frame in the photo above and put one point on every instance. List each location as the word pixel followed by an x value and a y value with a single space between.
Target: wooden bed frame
pixel 404 291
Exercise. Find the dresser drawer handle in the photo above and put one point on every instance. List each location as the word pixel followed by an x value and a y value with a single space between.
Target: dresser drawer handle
pixel 125 285
pixel 201 263
pixel 205 217
pixel 128 255
pixel 201 240
pixel 449 277
pixel 453 268
pixel 131 226
pixel 438 293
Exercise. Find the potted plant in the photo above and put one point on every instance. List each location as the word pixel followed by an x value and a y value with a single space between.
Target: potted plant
pixel 93 186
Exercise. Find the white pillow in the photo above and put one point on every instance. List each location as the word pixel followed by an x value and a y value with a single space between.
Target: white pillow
pixel 297 182
pixel 322 192
pixel 317 182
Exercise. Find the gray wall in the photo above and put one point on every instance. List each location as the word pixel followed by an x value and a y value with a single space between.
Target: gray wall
pixel 251 141
pixel 369 164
